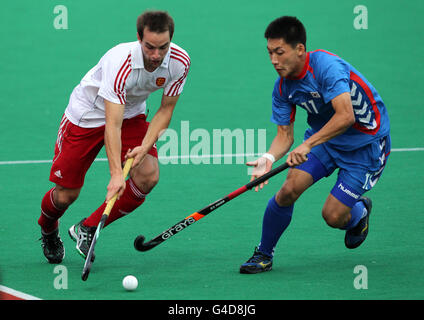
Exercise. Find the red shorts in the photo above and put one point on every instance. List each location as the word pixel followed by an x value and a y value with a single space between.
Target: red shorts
pixel 77 147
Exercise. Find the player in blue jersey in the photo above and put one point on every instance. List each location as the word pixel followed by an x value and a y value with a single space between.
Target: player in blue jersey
pixel 349 131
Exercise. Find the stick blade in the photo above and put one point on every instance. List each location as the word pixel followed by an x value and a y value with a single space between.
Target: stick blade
pixel 86 269
pixel 88 260
pixel 84 275
pixel 139 243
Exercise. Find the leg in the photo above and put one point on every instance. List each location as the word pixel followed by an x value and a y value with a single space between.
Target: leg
pixel 64 197
pixel 53 206
pixel 279 211
pixel 276 219
pixel 75 150
pixel 142 179
pixel 280 208
pixel 354 218
pixel 345 207
pixel 296 183
pixel 335 213
pixel 146 175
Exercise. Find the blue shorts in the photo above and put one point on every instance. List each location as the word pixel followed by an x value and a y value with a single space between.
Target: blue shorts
pixel 359 169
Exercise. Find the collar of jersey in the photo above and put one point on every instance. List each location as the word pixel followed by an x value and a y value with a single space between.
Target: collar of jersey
pixel 137 57
pixel 304 70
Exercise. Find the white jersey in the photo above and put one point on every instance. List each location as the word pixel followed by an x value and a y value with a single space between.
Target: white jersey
pixel 120 77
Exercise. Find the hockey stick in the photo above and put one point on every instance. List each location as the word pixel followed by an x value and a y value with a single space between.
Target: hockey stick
pixel 88 260
pixel 139 243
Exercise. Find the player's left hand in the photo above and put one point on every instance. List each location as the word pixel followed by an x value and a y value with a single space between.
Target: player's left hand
pixel 299 155
pixel 138 153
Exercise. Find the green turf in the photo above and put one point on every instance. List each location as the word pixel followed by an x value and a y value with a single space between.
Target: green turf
pixel 229 86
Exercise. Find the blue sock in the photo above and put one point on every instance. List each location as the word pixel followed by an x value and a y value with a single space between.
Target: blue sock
pixel 276 220
pixel 358 211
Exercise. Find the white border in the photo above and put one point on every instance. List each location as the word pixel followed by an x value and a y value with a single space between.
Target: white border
pixel 17 294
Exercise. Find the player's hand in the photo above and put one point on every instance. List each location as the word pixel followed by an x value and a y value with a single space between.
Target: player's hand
pixel 138 153
pixel 299 155
pixel 260 167
pixel 116 186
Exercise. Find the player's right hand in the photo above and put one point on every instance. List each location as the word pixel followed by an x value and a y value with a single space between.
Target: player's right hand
pixel 116 186
pixel 260 166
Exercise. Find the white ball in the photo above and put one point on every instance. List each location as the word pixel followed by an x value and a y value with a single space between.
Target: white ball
pixel 130 283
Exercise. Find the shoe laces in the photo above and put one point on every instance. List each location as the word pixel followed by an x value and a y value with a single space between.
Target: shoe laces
pixel 88 234
pixel 51 241
pixel 258 257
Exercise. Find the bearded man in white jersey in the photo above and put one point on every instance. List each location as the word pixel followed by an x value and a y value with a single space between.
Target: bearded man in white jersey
pixel 108 108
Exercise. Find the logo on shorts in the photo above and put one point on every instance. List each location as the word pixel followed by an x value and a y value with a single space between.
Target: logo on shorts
pixel 315 94
pixel 160 81
pixel 348 192
pixel 123 212
pixel 58 174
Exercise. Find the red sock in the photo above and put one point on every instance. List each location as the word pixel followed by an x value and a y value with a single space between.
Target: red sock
pixel 50 214
pixel 130 200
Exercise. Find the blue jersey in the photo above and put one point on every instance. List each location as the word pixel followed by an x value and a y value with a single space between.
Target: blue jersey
pixel 324 77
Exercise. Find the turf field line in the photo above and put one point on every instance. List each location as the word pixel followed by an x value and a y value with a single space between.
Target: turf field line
pixel 207 156
pixel 11 294
pixel 406 149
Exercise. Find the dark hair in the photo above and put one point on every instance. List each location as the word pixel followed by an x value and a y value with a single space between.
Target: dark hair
pixel 290 29
pixel 156 21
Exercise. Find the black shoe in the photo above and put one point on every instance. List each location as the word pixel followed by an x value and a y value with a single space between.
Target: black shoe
pixel 259 262
pixel 355 236
pixel 83 236
pixel 52 247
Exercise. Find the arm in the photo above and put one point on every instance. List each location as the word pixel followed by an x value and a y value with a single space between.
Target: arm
pixel 282 141
pixel 114 117
pixel 160 122
pixel 342 119
pixel 279 147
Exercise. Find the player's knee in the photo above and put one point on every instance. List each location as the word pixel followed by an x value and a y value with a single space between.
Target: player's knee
pixel 287 195
pixel 333 218
pixel 146 180
pixel 146 175
pixel 335 213
pixel 64 197
pixel 151 181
